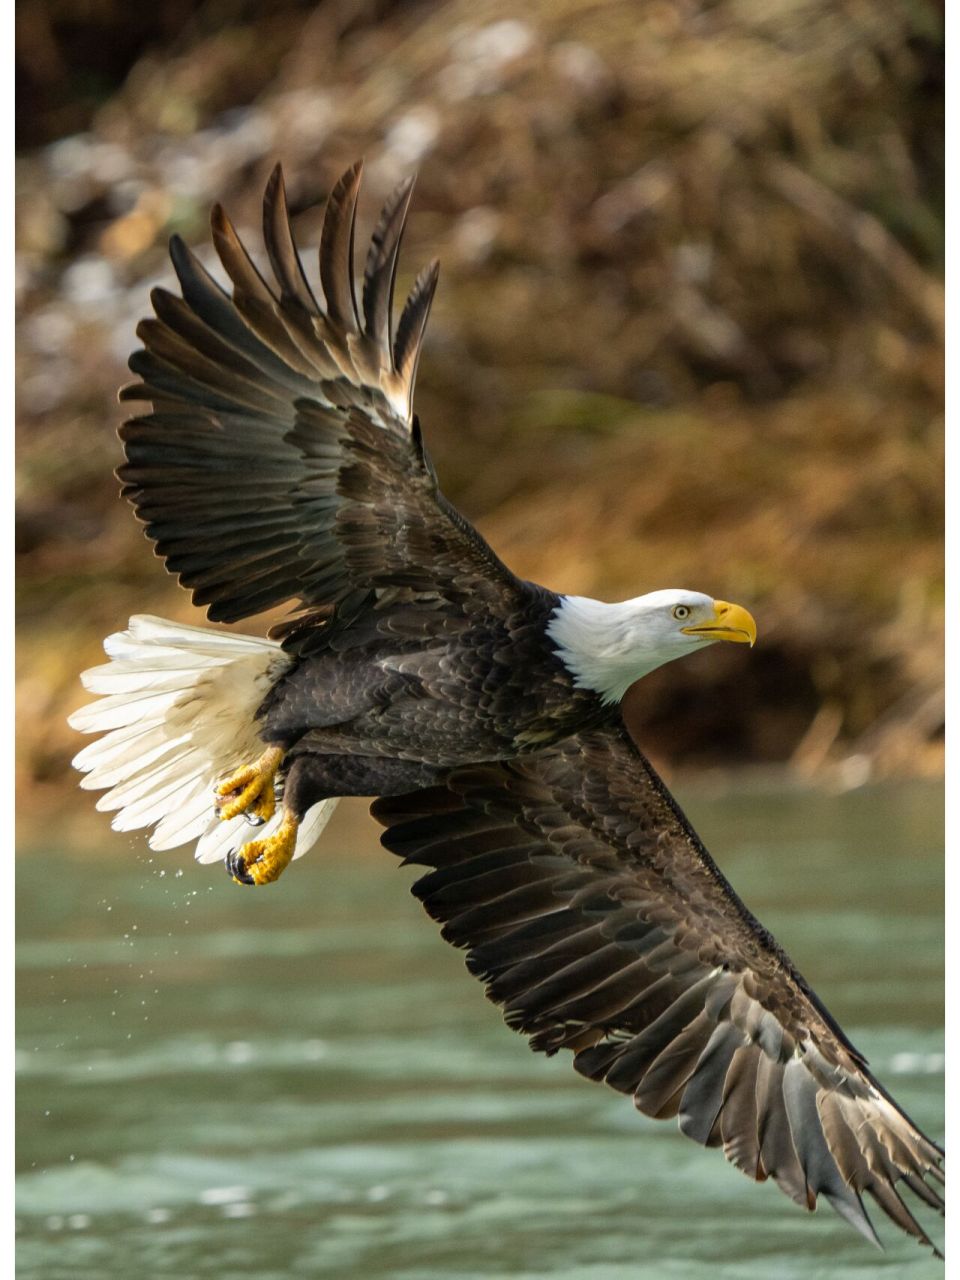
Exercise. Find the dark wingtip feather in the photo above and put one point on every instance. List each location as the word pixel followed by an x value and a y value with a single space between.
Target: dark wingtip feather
pixel 336 250
pixel 381 268
pixel 853 1211
pixel 183 259
pixel 276 189
pixel 413 323
pixel 180 256
pixel 131 391
pixel 280 246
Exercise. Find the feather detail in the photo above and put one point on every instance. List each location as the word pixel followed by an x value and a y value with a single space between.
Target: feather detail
pixel 600 924
pixel 410 331
pixel 177 711
pixel 281 460
pixel 380 274
pixel 336 251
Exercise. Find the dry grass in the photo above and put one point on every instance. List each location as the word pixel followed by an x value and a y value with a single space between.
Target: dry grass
pixel 689 328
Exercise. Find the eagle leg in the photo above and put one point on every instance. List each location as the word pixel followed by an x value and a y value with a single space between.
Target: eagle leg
pixel 263 861
pixel 250 789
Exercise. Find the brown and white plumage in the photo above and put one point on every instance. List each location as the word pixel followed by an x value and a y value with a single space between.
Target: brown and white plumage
pixel 280 460
pixel 596 918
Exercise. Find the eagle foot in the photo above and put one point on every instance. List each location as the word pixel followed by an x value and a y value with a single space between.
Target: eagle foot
pixel 250 790
pixel 263 861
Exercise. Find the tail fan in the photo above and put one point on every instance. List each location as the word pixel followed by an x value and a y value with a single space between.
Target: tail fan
pixel 177 712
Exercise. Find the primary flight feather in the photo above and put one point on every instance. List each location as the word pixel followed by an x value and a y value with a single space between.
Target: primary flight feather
pixel 281 461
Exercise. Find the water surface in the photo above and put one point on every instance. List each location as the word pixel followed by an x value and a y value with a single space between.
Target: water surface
pixel 304 1081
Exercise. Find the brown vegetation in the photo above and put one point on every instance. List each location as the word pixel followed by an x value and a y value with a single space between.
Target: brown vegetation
pixel 688 333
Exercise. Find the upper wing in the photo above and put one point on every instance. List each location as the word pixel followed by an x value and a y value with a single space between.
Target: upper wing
pixel 282 460
pixel 598 920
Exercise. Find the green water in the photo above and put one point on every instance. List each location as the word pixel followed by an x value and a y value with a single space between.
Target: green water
pixel 304 1081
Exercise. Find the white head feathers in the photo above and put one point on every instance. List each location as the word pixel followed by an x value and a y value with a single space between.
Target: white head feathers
pixel 606 647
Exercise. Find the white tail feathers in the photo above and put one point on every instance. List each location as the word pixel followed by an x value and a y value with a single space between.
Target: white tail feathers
pixel 177 713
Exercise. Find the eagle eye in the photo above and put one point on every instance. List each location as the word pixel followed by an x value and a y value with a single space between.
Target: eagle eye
pixel 681 611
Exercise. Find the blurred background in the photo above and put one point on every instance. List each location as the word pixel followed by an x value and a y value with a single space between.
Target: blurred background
pixel 688 332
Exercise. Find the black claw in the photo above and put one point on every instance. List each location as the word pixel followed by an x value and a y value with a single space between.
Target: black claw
pixel 236 867
pixel 253 819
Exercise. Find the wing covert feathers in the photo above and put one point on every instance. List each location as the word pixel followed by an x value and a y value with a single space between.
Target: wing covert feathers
pixel 260 397
pixel 599 923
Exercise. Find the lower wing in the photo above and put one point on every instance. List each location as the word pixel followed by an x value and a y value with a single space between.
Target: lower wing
pixel 597 919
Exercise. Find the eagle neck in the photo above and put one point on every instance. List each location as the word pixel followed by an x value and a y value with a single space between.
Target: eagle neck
pixel 601 645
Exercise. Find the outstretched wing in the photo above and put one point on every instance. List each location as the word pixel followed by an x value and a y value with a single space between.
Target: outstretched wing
pixel 282 460
pixel 600 923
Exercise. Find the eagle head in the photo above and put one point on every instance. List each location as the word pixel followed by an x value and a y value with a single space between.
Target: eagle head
pixel 606 647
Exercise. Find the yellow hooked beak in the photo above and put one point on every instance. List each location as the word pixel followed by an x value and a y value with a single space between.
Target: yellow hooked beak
pixel 729 622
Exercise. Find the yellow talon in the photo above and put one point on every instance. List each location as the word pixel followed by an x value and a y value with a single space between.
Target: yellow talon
pixel 250 788
pixel 263 861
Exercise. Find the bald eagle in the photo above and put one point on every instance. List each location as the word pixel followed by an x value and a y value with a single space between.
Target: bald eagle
pixel 281 460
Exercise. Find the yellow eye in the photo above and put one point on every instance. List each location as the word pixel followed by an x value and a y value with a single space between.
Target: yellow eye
pixel 680 612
